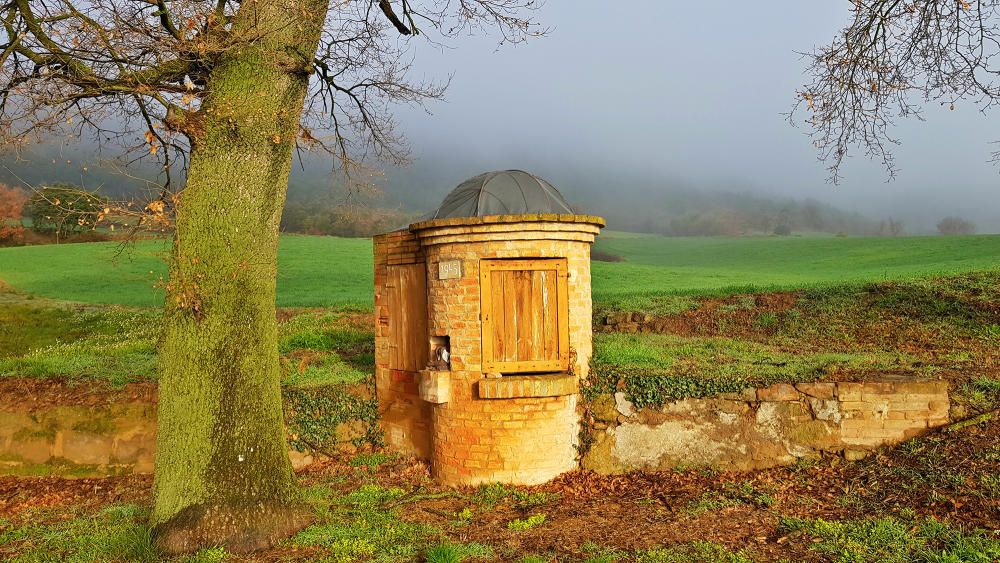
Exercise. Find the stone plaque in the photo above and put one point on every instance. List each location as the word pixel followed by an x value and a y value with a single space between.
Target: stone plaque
pixel 449 269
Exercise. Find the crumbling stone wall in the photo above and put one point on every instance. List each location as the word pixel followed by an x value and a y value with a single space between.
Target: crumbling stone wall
pixel 762 428
pixel 114 439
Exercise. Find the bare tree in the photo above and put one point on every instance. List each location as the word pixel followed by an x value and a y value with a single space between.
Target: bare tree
pixel 228 89
pixel 893 57
pixel 956 226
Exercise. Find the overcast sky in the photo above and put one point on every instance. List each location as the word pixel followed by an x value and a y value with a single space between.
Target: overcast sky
pixel 687 93
pixel 678 95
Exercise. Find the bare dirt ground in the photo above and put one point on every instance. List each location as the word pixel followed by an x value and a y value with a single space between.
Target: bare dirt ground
pixel 28 394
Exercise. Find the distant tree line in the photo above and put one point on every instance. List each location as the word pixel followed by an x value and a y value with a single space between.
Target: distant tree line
pixel 956 226
pixel 344 219
pixel 732 214
pixel 64 209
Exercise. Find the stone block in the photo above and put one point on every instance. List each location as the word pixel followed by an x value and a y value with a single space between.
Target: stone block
pixel 899 425
pixel 31 450
pixel 818 390
pixel 778 392
pixel 747 395
pixel 877 389
pixel 85 448
pixel 623 405
pixel 934 387
pixel 922 414
pixel 826 409
pixel 509 387
pixel 849 391
pixel 855 455
pixel 300 460
pixel 129 449
pixel 603 408
pixel 937 422
pixel 939 408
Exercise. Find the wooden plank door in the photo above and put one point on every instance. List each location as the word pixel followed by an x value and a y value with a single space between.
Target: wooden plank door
pixel 525 315
pixel 407 297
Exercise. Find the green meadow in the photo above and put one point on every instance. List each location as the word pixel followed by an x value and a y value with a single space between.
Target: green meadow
pixel 319 271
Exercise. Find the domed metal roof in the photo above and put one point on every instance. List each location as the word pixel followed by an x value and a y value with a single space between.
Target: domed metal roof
pixel 503 192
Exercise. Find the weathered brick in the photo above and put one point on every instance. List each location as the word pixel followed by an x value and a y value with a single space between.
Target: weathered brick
pixel 849 391
pixel 778 392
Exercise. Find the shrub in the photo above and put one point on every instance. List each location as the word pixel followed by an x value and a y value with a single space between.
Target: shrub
pixel 63 209
pixel 599 256
pixel 12 202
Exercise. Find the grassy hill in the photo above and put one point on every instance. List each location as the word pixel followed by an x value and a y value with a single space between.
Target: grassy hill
pixel 657 266
pixel 313 272
pixel 330 271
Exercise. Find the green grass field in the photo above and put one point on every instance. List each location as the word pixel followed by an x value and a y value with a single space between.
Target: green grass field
pixel 658 266
pixel 330 271
pixel 313 272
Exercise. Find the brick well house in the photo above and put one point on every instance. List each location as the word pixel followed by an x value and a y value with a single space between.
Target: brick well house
pixel 483 331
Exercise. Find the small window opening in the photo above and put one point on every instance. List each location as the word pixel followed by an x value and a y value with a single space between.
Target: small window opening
pixel 440 358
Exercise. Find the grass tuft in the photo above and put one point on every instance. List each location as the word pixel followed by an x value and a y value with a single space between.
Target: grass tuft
pixel 893 540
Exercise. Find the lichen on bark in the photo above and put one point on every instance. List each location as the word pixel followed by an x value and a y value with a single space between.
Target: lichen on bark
pixel 222 471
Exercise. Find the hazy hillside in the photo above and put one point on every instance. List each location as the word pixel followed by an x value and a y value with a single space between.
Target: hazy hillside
pixel 631 200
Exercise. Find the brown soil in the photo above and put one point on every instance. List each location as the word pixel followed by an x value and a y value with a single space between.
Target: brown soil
pixel 21 495
pixel 27 394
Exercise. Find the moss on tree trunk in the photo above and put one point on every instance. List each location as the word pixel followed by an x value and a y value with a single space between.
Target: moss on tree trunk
pixel 222 471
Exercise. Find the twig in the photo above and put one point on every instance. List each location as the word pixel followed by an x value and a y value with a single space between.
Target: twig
pixel 408 497
pixel 441 513
pixel 318 449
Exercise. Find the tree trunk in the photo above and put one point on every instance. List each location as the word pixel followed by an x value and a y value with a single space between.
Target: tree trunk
pixel 223 477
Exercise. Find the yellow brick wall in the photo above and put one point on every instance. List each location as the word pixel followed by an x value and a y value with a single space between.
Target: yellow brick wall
pixel 473 440
pixel 405 418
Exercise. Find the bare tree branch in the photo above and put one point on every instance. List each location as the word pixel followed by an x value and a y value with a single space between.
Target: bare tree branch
pixel 74 64
pixel 892 58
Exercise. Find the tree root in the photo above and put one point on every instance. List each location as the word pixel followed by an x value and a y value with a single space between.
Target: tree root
pixel 237 528
pixel 974 421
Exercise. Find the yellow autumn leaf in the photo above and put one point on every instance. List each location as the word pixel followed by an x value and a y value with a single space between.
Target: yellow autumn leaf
pixel 155 207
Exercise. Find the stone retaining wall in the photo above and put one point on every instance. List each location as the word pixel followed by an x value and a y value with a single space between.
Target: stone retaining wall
pixel 97 441
pixel 755 429
pixel 79 441
pixel 763 428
